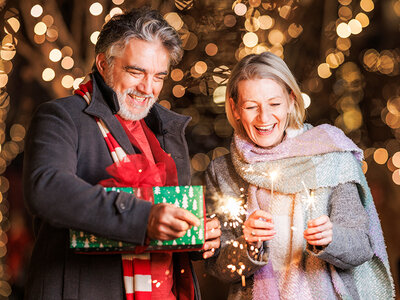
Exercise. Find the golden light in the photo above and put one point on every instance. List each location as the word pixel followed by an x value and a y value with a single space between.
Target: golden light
pixel 67 63
pixel 276 37
pixel 115 11
pixel 55 55
pixel 5 66
pixel 178 91
pixel 9 39
pixel 40 28
pixel 3 80
pixel 367 5
pixel 345 13
pixel 165 103
pixel 7 54
pixel 396 8
pixel 240 9
pixel 352 119
pixel 219 95
pixel 77 82
pixel 393 105
pixel 355 26
pixel 386 62
pixel 250 39
pixel 396 177
pixel 364 166
pixel 17 132
pixel 266 22
pixel 96 9
pixel 200 67
pixel 36 11
pixel 39 39
pixel 67 81
pixel 194 73
pixel 295 30
pixel 14 23
pixel 381 156
pixel 174 20
pixel 324 71
pixel 371 59
pixel 343 30
pixel 252 24
pixel 118 2
pixel 363 19
pixel 48 74
pixel 344 2
pixel 306 100
pixel 390 165
pixel 343 44
pixel 52 34
pixel 94 36
pixel 67 51
pixel 200 162
pixel 285 11
pixel 48 20
pixel 333 60
pixel 396 159
pixel 254 3
pixel 219 151
pixel 260 48
pixel 277 50
pixel 189 41
pixel 211 49
pixel 393 121
pixel 229 20
pixel 222 70
pixel 177 74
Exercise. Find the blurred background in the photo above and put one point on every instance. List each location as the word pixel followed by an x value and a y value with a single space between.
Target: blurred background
pixel 345 55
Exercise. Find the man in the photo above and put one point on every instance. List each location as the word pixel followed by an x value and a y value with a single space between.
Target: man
pixel 66 156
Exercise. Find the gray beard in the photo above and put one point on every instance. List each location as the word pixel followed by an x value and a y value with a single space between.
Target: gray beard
pixel 124 111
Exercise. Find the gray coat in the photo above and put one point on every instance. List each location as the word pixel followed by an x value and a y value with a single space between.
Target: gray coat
pixel 350 246
pixel 65 157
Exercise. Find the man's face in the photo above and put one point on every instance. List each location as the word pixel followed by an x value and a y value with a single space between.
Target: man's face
pixel 137 76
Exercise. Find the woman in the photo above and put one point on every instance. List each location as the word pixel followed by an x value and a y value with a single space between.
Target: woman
pixel 311 230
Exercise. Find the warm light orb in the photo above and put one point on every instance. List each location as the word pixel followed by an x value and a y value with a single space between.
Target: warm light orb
pixel 94 36
pixel 250 39
pixel 174 20
pixel 219 95
pixel 177 74
pixel 324 71
pixel 118 2
pixel 115 11
pixel 67 81
pixel 96 9
pixel 266 22
pixel 343 30
pixel 355 26
pixel 306 100
pixel 77 82
pixel 178 91
pixel 396 159
pixel 367 5
pixel 211 49
pixel 3 80
pixel 396 177
pixel 67 63
pixel 200 67
pixel 55 55
pixel 276 37
pixel 40 28
pixel 363 19
pixel 381 156
pixel 240 9
pixel 36 10
pixel 48 74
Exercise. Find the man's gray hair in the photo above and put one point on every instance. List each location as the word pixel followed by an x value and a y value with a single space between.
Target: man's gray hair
pixel 143 24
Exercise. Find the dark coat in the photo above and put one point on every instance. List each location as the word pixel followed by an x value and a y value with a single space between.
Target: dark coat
pixel 65 157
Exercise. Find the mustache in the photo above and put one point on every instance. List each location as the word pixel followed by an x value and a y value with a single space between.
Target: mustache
pixel 136 93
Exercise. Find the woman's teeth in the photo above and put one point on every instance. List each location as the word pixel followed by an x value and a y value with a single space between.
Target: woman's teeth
pixel 265 128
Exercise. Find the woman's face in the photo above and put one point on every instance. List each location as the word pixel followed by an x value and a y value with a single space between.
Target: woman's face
pixel 263 108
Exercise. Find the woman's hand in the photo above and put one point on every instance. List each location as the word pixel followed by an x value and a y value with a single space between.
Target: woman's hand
pixel 213 241
pixel 319 231
pixel 258 227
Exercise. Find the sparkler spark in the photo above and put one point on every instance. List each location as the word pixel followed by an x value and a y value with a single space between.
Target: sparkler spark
pixel 310 199
pixel 232 208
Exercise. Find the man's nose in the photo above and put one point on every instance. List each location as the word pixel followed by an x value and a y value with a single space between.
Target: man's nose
pixel 145 86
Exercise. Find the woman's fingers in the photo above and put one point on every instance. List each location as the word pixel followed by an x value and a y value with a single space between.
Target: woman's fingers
pixel 319 231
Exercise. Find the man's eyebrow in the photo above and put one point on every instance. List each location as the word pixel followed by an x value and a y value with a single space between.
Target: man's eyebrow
pixel 130 68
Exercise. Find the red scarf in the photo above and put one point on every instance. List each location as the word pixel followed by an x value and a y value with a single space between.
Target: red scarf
pixel 136 171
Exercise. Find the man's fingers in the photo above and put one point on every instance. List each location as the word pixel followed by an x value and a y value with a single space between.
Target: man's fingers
pixel 213 233
pixel 186 216
pixel 212 244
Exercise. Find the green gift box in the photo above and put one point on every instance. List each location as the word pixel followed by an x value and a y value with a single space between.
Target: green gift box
pixel 190 198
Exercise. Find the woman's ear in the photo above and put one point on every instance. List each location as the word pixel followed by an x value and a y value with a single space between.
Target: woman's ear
pixel 101 64
pixel 292 100
pixel 233 109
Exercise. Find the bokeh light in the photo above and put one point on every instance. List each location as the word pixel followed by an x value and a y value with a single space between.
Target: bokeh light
pixel 55 55
pixel 36 11
pixel 219 95
pixel 178 91
pixel 343 30
pixel 67 81
pixel 306 99
pixel 96 9
pixel 48 74
pixel 94 36
pixel 177 75
pixel 250 39
pixel 40 28
pixel 240 9
pixel 324 71
pixel 381 156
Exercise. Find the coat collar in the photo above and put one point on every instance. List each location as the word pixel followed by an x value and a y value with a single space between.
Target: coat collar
pixel 104 105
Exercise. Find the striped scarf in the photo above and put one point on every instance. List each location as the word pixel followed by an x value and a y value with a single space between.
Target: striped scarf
pixel 136 267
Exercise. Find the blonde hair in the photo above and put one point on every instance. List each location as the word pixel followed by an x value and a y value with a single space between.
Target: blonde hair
pixel 262 66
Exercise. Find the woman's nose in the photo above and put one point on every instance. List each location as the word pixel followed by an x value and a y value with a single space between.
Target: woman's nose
pixel 264 114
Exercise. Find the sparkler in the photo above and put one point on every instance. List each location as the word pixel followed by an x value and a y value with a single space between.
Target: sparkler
pixel 233 209
pixel 272 176
pixel 310 199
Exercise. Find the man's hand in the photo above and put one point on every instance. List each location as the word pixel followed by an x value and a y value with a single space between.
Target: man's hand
pixel 168 222
pixel 319 231
pixel 258 227
pixel 213 241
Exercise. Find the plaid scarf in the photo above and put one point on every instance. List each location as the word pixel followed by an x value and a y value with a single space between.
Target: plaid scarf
pixel 136 267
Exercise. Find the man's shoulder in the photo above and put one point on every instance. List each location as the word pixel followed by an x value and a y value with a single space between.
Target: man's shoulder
pixel 71 105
